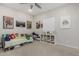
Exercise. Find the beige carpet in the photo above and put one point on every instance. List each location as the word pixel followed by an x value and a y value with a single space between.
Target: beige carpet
pixel 38 48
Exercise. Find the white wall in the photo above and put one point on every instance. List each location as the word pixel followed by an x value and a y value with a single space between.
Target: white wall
pixel 5 11
pixel 67 37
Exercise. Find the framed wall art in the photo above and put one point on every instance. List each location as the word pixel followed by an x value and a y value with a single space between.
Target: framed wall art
pixel 20 24
pixel 38 25
pixel 65 22
pixel 8 22
pixel 41 25
pixel 29 24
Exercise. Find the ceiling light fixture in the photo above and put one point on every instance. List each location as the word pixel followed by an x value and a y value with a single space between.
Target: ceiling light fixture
pixel 31 7
pixel 30 10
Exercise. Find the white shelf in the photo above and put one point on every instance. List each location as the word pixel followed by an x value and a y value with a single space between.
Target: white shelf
pixel 47 38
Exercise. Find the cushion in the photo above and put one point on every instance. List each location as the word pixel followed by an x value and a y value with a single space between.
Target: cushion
pixel 22 35
pixel 16 34
pixel 7 38
pixel 3 36
pixel 12 36
pixel 28 37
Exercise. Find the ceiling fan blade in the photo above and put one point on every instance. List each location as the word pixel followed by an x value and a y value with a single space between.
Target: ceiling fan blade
pixel 31 6
pixel 38 5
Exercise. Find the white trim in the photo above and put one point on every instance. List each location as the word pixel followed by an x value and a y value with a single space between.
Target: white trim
pixel 66 45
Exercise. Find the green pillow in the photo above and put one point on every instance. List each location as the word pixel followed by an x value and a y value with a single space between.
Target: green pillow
pixel 28 37
pixel 4 35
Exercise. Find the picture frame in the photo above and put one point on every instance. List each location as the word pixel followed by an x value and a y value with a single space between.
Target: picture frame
pixel 65 22
pixel 20 24
pixel 38 25
pixel 41 25
pixel 8 22
pixel 29 24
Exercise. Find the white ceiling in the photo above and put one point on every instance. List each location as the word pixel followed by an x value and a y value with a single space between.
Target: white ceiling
pixel 25 7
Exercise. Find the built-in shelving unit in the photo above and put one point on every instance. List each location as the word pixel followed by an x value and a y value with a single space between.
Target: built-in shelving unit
pixel 48 37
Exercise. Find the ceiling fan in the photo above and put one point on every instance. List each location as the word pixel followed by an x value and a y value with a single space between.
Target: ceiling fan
pixel 33 4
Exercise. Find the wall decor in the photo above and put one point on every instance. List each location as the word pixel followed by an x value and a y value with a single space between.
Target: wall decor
pixel 41 25
pixel 20 24
pixel 38 25
pixel 8 22
pixel 29 24
pixel 65 23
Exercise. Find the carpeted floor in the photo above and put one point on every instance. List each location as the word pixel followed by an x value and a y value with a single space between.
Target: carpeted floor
pixel 38 48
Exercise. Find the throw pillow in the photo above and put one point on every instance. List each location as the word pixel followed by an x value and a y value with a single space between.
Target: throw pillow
pixel 12 36
pixel 7 38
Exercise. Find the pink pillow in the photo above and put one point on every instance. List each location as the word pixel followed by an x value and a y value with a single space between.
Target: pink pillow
pixel 12 36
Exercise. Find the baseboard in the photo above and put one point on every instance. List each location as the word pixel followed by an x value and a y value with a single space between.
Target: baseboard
pixel 67 45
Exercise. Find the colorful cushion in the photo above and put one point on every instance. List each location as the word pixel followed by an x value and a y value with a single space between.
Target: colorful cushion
pixel 7 38
pixel 22 35
pixel 16 34
pixel 12 36
pixel 28 37
pixel 3 36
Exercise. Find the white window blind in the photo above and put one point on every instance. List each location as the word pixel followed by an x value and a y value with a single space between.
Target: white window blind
pixel 49 24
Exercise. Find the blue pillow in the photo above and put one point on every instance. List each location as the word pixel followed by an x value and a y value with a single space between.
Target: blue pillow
pixel 7 38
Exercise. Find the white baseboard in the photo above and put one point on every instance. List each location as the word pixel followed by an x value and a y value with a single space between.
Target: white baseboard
pixel 66 45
